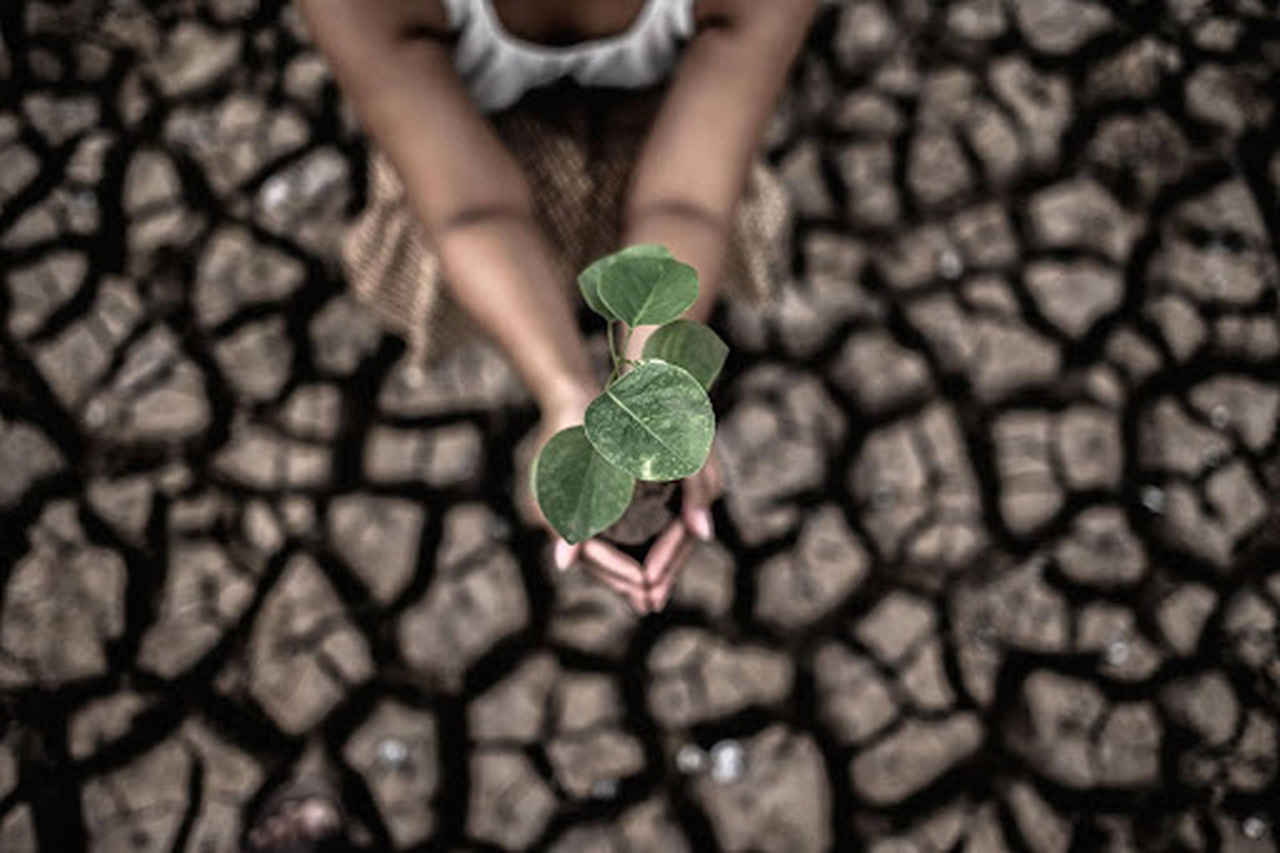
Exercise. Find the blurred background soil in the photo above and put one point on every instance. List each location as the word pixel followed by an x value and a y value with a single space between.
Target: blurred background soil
pixel 999 567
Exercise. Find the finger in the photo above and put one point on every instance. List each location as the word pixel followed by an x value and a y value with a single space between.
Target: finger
pixel 695 509
pixel 612 560
pixel 619 571
pixel 660 555
pixel 632 592
pixel 660 590
pixel 565 555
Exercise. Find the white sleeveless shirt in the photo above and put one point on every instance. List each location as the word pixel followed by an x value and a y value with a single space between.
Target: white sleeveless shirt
pixel 498 68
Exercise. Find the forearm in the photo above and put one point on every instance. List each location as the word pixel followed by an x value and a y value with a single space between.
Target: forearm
pixel 695 163
pixel 392 59
pixel 499 269
pixel 693 239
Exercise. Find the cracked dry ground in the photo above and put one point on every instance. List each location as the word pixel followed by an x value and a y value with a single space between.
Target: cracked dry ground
pixel 999 567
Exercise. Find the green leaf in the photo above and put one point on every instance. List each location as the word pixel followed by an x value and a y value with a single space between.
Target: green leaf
pixel 691 345
pixel 589 279
pixel 578 491
pixel 655 423
pixel 644 289
pixel 589 284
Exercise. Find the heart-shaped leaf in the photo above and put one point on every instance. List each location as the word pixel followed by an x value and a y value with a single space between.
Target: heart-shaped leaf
pixel 655 423
pixel 691 345
pixel 589 279
pixel 579 492
pixel 643 289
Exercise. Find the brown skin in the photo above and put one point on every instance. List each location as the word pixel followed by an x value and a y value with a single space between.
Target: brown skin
pixel 392 59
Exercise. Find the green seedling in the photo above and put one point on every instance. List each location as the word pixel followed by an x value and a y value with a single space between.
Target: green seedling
pixel 654 421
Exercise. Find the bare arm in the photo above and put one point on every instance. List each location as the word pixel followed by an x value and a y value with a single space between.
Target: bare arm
pixel 391 58
pixel 693 167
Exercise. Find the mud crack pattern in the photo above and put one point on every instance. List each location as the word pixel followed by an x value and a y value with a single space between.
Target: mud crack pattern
pixel 999 568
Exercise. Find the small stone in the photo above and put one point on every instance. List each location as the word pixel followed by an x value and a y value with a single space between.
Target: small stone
pixel 776 799
pixel 1117 652
pixel 1153 498
pixel 950 267
pixel 604 789
pixel 728 762
pixel 395 750
pixel 392 753
pixel 305 201
pixel 691 759
pixel 1254 827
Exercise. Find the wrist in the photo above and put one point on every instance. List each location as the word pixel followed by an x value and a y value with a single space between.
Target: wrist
pixel 563 402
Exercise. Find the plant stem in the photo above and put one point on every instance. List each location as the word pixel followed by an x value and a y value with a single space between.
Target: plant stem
pixel 618 353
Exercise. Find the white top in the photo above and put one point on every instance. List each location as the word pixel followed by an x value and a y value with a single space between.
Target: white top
pixel 499 68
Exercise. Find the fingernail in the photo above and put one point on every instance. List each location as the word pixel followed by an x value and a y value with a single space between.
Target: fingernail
pixel 701 526
pixel 563 554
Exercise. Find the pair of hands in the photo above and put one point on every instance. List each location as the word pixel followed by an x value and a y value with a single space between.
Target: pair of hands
pixel 645 586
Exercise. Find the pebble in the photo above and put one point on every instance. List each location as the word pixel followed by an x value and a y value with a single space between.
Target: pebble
pixel 604 789
pixel 1153 498
pixel 1220 417
pixel 728 762
pixel 691 759
pixel 1117 652
pixel 392 753
pixel 1254 828
pixel 950 267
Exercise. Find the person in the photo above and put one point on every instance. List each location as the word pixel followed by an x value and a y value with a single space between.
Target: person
pixel 459 199
pixel 486 194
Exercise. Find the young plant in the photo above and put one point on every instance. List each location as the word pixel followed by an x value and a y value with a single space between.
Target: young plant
pixel 653 422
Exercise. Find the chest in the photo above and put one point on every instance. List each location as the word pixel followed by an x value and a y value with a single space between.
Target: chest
pixel 560 23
